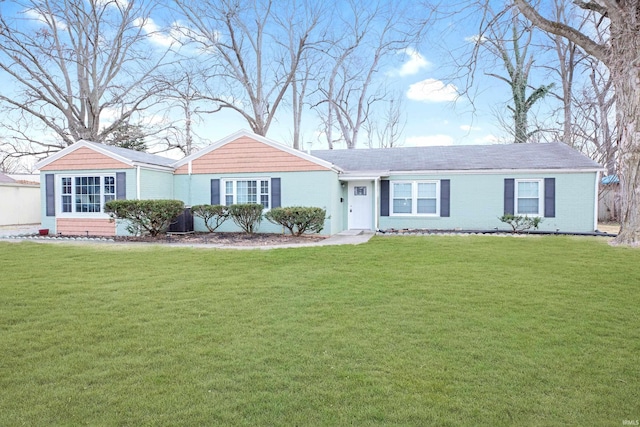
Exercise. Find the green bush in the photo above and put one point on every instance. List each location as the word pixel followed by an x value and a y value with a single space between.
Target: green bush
pixel 246 216
pixel 145 216
pixel 211 214
pixel 520 223
pixel 298 219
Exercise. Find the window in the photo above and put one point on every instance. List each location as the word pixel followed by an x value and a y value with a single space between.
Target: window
pixel 247 191
pixel 86 194
pixel 359 191
pixel 415 198
pixel 529 197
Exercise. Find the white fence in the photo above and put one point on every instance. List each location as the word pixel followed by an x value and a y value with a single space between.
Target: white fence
pixel 19 204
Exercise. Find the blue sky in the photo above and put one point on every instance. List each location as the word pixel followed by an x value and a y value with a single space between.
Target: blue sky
pixel 435 111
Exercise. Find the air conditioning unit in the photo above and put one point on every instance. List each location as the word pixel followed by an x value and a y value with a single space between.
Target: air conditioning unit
pixel 183 223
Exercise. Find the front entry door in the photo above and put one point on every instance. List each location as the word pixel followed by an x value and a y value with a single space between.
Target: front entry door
pixel 360 200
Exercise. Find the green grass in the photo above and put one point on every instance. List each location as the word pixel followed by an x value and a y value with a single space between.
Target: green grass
pixel 432 330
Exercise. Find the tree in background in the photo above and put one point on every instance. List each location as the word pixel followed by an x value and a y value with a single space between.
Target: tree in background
pixel 80 69
pixel 508 39
pixel 128 136
pixel 251 53
pixel 368 33
pixel 620 53
pixel 384 130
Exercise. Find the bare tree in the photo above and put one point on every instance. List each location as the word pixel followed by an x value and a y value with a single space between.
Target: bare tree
pixel 184 109
pixel 569 56
pixel 621 54
pixel 594 130
pixel 508 39
pixel 371 31
pixel 384 130
pixel 253 53
pixel 305 72
pixel 73 62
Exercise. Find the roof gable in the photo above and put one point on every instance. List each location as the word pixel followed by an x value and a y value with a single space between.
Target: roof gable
pixel 246 152
pixel 93 155
pixel 6 179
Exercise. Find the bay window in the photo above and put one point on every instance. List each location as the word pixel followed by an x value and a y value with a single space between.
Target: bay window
pixel 86 194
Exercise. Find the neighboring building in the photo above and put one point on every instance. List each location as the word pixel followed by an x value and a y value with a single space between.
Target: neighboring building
pixel 438 188
pixel 19 201
pixel 609 199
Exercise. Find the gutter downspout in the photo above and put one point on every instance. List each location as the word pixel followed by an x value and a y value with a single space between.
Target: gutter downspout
pixel 138 182
pixel 596 201
pixel 190 171
pixel 376 204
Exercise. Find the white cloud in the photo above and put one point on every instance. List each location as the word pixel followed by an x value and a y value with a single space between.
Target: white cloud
pixel 412 66
pixel 122 4
pixel 153 31
pixel 45 19
pixel 429 140
pixel 432 90
pixel 475 39
pixel 468 128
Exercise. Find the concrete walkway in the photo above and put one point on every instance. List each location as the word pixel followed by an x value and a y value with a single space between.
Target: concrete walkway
pixel 23 232
pixel 17 230
pixel 348 237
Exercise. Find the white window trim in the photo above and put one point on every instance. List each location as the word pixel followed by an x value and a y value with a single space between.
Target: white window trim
pixel 223 187
pixel 540 197
pixel 93 215
pixel 414 197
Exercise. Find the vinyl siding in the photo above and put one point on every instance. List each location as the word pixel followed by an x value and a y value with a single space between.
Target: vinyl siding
pixel 245 155
pixel 315 188
pixel 477 201
pixel 80 158
pixel 85 226
pixel 154 185
pixel 50 221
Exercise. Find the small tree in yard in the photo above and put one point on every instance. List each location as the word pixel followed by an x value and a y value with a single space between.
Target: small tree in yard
pixel 298 219
pixel 150 216
pixel 247 216
pixel 211 214
pixel 520 223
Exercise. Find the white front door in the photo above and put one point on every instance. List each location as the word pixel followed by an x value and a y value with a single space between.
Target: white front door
pixel 360 200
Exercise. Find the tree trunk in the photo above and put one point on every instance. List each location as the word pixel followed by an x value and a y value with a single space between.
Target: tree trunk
pixel 627 110
pixel 622 56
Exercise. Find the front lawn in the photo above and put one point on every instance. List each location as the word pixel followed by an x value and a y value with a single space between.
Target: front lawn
pixel 431 330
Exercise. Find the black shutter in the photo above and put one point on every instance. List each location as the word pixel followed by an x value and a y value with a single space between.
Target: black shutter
pixel 384 197
pixel 121 185
pixel 276 201
pixel 509 196
pixel 550 197
pixel 215 191
pixel 49 188
pixel 445 189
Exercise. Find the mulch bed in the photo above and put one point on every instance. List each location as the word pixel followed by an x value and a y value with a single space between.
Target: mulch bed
pixel 230 239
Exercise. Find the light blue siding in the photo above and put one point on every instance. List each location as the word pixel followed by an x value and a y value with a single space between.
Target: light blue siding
pixel 317 188
pixel 477 201
pixel 50 221
pixel 154 184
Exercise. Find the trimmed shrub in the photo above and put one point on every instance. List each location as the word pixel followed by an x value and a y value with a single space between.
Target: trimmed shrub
pixel 211 214
pixel 520 223
pixel 246 216
pixel 298 219
pixel 145 216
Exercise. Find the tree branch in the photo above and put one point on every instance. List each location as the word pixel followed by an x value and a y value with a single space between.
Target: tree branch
pixel 591 47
